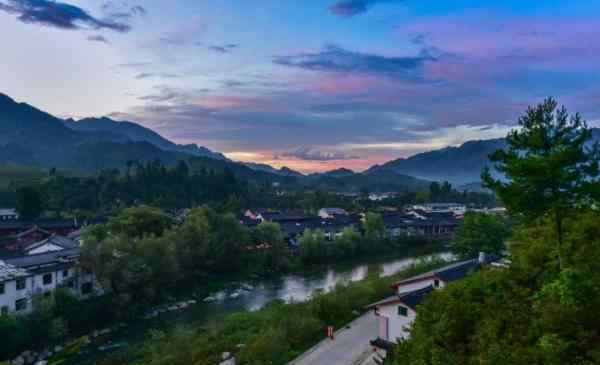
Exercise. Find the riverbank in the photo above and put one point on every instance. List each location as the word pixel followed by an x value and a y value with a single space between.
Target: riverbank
pixel 277 333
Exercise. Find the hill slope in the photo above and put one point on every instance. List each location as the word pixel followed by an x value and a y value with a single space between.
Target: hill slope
pixel 459 165
pixel 137 133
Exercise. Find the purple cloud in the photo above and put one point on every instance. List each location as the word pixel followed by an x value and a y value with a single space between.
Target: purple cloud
pixel 309 154
pixel 350 8
pixel 98 38
pixel 338 60
pixel 222 49
pixel 58 15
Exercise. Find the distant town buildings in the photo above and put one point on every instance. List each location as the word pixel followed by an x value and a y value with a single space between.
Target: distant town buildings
pixel 39 257
pixel 8 214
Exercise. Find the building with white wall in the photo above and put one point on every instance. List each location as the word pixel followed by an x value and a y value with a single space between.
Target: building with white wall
pixel 8 214
pixel 397 313
pixel 24 277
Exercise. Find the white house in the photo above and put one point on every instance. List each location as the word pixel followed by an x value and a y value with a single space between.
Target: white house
pixel 442 208
pixel 41 274
pixel 327 213
pixel 8 214
pixel 14 284
pixel 398 312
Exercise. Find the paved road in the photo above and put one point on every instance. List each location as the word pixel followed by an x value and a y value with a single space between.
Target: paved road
pixel 349 347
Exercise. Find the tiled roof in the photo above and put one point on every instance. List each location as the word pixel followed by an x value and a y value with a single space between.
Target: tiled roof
pixel 414 298
pixel 10 272
pixel 43 259
pixel 411 299
pixel 447 273
pixel 56 240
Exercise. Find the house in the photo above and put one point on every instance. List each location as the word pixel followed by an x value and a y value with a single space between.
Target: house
pixel 8 214
pixel 429 225
pixel 455 208
pixel 41 274
pixel 26 238
pixel 397 312
pixel 13 284
pixel 327 213
pixel 52 243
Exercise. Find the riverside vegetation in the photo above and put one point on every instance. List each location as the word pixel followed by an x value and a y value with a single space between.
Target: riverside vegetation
pixel 144 259
pixel 543 309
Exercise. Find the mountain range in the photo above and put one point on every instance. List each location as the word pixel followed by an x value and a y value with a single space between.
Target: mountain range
pixel 31 137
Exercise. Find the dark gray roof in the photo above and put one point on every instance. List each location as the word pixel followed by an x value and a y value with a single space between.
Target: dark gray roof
pixel 411 299
pixel 44 259
pixel 447 273
pixel 10 272
pixel 414 298
pixel 56 240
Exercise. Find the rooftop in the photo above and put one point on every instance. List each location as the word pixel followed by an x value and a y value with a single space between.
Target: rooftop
pixel 447 273
pixel 10 272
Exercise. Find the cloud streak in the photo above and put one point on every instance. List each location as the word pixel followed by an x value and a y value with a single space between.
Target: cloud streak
pixel 98 38
pixel 222 49
pixel 58 15
pixel 350 8
pixel 335 59
pixel 310 154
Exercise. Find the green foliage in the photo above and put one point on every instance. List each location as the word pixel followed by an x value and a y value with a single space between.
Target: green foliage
pixel 142 261
pixel 374 226
pixel 550 170
pixel 52 320
pixel 480 232
pixel 313 247
pixel 274 334
pixel 543 308
pixel 152 183
pixel 30 204
pixel 278 254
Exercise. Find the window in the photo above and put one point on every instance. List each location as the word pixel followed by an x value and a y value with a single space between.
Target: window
pixel 402 311
pixel 66 273
pixel 21 284
pixel 436 283
pixel 47 279
pixel 4 311
pixel 86 288
pixel 21 304
pixel 1 288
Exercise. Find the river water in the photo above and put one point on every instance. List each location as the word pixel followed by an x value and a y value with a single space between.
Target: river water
pixel 292 287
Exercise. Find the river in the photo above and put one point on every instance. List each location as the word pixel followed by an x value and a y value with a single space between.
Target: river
pixel 292 287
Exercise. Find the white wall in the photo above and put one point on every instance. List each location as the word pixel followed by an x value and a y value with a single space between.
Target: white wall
pixel 35 285
pixel 398 326
pixel 11 294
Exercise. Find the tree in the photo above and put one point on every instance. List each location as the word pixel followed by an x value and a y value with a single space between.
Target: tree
pixel 312 245
pixel 480 232
pixel 30 204
pixel 549 169
pixel 139 221
pixel 374 226
pixel 270 233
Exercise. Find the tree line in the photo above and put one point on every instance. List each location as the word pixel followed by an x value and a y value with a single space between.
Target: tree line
pixel 542 308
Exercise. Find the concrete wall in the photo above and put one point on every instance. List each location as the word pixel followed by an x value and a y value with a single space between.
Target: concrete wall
pixel 398 325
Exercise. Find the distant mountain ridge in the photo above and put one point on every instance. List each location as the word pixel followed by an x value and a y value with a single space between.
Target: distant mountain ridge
pixel 137 133
pixel 460 165
pixel 31 137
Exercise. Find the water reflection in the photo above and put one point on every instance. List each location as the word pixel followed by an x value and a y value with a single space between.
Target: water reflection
pixel 299 287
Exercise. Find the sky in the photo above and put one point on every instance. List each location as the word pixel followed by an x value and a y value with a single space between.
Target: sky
pixel 313 85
